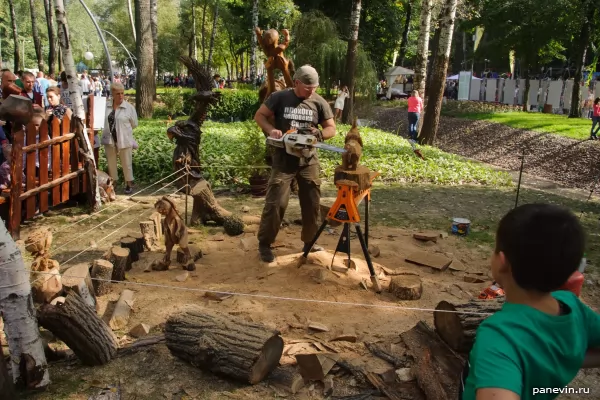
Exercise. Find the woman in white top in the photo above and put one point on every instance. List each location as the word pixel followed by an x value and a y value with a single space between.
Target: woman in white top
pixel 340 101
pixel 117 136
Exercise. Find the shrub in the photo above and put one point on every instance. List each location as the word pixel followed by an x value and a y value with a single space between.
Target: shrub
pixel 173 101
pixel 234 105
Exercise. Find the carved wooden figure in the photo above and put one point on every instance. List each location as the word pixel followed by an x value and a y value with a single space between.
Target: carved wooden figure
pixel 175 233
pixel 269 42
pixel 353 146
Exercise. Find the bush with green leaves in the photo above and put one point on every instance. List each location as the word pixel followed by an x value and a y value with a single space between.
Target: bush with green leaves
pixel 233 105
pixel 173 101
pixel 224 157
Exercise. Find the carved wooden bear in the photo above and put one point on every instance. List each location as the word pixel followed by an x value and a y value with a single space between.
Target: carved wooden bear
pixel 175 233
pixel 353 146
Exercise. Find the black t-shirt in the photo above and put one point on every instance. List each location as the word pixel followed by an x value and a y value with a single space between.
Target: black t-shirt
pixel 292 112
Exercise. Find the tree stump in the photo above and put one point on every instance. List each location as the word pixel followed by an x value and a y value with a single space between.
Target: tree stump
pixel 102 269
pixel 224 344
pixel 148 230
pixel 458 330
pixel 133 246
pixel 120 315
pixel 119 258
pixel 77 278
pixel 139 239
pixel 406 287
pixel 47 286
pixel 157 219
pixel 205 207
pixel 361 176
pixel 78 325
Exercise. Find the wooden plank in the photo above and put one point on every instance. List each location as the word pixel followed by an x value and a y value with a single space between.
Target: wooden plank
pixel 30 171
pixel 55 133
pixel 43 177
pixel 16 179
pixel 66 152
pixel 55 183
pixel 435 261
pixel 43 144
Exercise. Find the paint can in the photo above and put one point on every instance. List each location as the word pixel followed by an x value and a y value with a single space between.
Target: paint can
pixel 461 226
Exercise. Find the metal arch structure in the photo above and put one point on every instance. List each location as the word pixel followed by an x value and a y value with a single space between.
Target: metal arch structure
pixel 112 75
pixel 131 57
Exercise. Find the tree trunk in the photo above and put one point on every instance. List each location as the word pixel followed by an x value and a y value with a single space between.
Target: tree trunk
pixel 422 48
pixel 36 37
pixel 51 37
pixel 145 82
pixel 83 140
pixel 436 92
pixel 78 325
pixel 223 344
pixel 204 32
pixel 206 208
pixel 458 330
pixel 154 22
pixel 582 45
pixel 148 230
pixel 213 35
pixel 242 64
pixel 28 362
pixel 60 60
pixel 254 41
pixel 405 32
pixel 194 47
pixel 7 389
pixel 351 55
pixel 17 48
pixel 133 246
pixel 130 12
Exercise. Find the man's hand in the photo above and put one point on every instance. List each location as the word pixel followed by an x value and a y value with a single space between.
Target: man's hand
pixel 316 132
pixel 275 133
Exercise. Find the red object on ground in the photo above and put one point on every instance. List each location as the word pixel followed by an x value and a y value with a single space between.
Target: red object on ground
pixel 574 283
pixel 491 292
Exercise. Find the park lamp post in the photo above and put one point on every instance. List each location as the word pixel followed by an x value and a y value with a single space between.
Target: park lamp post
pixel 112 75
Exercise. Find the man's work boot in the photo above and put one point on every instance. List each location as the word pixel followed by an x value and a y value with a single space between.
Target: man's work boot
pixel 266 254
pixel 314 249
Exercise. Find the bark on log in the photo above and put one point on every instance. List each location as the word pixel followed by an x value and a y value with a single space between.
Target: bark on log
pixel 287 378
pixel 120 315
pixel 7 389
pixel 78 325
pixel 361 176
pixel 139 239
pixel 458 330
pixel 131 244
pixel 205 207
pixel 407 287
pixel 119 258
pixel 102 269
pixel 47 286
pixel 148 230
pixel 427 378
pixel 77 278
pixel 157 219
pixel 224 344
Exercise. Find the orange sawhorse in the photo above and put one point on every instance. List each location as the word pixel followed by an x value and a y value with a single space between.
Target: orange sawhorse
pixel 345 210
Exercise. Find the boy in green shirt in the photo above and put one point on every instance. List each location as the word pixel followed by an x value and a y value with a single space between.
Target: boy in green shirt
pixel 535 345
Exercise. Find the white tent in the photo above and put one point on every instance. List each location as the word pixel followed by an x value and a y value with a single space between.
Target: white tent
pixel 455 78
pixel 391 76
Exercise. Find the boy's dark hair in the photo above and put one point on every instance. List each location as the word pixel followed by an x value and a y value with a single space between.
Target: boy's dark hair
pixel 543 243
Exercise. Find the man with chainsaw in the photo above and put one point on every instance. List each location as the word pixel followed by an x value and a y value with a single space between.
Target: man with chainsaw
pixel 299 110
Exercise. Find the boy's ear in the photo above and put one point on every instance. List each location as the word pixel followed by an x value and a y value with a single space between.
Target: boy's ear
pixel 504 265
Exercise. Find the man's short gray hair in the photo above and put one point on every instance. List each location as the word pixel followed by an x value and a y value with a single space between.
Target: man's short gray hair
pixel 116 86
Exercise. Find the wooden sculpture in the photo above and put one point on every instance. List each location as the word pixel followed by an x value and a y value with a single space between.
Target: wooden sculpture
pixel 46 283
pixel 175 232
pixel 353 146
pixel 269 42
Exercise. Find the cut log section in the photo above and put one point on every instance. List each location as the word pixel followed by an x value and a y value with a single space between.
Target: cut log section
pixel 102 272
pixel 435 261
pixel 457 329
pixel 139 240
pixel 287 378
pixel 427 378
pixel 47 286
pixel 120 315
pixel 77 278
pixel 158 228
pixel 148 230
pixel 205 207
pixel 361 176
pixel 224 344
pixel 406 287
pixel 119 258
pixel 78 325
pixel 314 367
pixel 134 250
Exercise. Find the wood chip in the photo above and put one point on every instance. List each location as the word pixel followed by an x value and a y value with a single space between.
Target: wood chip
pixel 182 277
pixel 426 236
pixel 473 279
pixel 339 268
pixel 374 251
pixel 457 266
pixel 217 296
pixel 318 327
pixel 139 330
pixel 316 366
pixel 435 261
pixel 345 337
pixel 350 264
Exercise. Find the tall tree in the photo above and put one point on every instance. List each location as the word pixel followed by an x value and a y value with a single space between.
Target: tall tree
pixel 254 42
pixel 144 82
pixel 17 49
pixel 351 57
pixel 37 43
pixel 154 22
pixel 213 35
pixel 130 12
pixel 48 9
pixel 204 32
pixel 440 66
pixel 423 47
pixel 194 47
pixel 405 32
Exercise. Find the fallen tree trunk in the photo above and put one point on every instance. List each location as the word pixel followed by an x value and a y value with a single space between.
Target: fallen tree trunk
pixel 78 325
pixel 205 207
pixel 457 329
pixel 224 344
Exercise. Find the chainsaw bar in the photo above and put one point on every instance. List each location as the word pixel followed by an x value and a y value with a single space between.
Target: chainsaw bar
pixel 328 147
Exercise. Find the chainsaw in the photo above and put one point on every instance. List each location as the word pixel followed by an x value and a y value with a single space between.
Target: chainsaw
pixel 300 145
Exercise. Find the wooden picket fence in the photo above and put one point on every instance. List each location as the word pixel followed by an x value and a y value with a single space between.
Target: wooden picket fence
pixel 52 183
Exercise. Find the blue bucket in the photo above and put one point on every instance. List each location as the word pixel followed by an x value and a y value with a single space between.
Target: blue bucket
pixel 461 226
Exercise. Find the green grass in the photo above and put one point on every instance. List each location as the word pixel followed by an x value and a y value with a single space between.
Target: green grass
pixel 574 128
pixel 223 150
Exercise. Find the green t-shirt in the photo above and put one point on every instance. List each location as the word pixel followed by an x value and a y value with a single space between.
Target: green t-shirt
pixel 521 349
pixel 19 83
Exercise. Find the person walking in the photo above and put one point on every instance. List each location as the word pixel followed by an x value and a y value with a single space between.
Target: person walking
pixel 117 138
pixel 340 102
pixel 595 119
pixel 415 106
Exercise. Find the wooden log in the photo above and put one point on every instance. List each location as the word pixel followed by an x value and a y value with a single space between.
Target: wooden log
pixel 46 286
pixel 52 184
pixel 120 315
pixel 148 230
pixel 77 278
pixel 157 219
pixel 47 143
pixel 427 378
pixel 205 207
pixel 406 287
pixel 119 258
pixel 458 330
pixel 131 244
pixel 314 367
pixel 139 240
pixel 78 325
pixel 224 344
pixel 287 378
pixel 397 360
pixel 382 387
pixel 361 176
pixel 102 269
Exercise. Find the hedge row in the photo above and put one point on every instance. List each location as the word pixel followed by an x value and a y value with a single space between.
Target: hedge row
pixel 234 105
